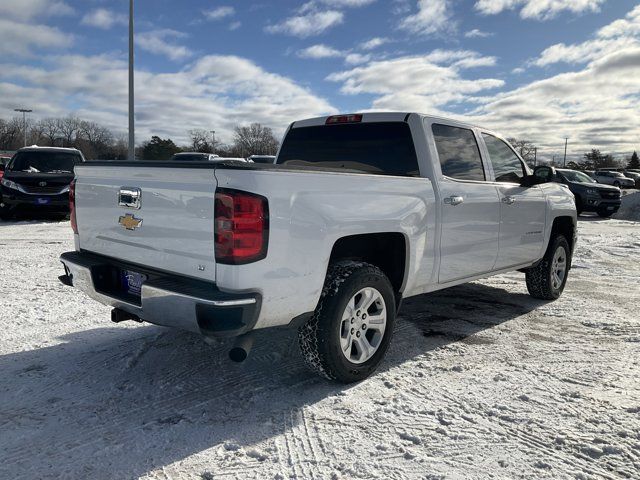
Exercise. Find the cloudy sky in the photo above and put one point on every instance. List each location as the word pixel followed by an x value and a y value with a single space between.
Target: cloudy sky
pixel 535 69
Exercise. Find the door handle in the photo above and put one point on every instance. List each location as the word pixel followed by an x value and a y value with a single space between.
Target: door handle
pixel 508 200
pixel 453 200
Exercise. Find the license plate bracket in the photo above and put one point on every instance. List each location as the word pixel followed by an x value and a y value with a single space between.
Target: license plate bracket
pixel 132 282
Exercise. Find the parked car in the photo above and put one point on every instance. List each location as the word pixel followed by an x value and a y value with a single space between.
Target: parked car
pixel 614 178
pixel 4 160
pixel 194 157
pixel 590 195
pixel 360 212
pixel 202 157
pixel 635 176
pixel 38 179
pixel 262 158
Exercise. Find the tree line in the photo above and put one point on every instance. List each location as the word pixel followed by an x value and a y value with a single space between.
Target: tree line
pixel 97 142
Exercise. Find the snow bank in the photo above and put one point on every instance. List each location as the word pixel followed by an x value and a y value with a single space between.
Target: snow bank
pixel 630 209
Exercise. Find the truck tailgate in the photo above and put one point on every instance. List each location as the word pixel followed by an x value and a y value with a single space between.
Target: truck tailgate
pixel 167 226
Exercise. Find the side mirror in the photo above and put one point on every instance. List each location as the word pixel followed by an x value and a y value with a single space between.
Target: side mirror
pixel 541 174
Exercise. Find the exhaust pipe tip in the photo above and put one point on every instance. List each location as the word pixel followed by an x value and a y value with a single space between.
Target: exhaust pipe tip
pixel 238 354
pixel 240 351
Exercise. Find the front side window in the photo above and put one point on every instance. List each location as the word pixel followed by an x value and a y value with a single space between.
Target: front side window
pixel 507 167
pixel 458 152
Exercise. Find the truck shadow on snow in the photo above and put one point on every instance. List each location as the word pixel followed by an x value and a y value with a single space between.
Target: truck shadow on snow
pixel 121 402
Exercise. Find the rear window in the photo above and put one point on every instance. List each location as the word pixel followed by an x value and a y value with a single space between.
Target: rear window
pixel 44 162
pixel 379 148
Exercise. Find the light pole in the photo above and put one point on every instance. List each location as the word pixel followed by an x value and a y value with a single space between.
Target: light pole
pixel 213 141
pixel 566 140
pixel 132 135
pixel 24 121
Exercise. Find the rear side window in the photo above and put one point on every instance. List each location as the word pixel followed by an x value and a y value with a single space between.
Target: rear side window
pixel 458 152
pixel 381 148
pixel 507 167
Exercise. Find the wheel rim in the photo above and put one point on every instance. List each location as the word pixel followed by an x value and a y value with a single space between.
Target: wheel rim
pixel 558 267
pixel 362 326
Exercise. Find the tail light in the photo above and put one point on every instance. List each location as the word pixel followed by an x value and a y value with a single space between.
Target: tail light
pixel 338 119
pixel 241 227
pixel 72 206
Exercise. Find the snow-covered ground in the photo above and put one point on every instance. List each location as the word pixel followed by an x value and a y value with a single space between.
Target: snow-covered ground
pixel 481 381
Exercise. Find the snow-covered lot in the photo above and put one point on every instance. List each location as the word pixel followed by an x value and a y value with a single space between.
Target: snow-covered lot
pixel 481 381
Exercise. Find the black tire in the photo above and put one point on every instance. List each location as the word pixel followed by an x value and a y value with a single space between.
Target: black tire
pixel 605 213
pixel 5 213
pixel 616 184
pixel 319 337
pixel 539 278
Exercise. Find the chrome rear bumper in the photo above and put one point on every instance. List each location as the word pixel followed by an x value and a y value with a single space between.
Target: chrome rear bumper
pixel 165 299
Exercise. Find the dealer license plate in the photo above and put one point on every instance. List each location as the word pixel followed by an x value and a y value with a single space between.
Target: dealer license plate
pixel 132 282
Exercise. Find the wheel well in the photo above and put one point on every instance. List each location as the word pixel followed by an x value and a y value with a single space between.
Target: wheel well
pixel 387 251
pixel 564 226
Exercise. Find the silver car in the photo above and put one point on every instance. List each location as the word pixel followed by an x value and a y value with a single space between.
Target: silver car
pixel 616 179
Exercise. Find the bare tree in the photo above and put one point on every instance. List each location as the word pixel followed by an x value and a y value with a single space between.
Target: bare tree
pixel 254 139
pixel 50 129
pixel 525 148
pixel 69 127
pixel 11 134
pixel 202 141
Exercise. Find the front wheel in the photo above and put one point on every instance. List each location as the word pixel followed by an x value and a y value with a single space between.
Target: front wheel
pixel 546 281
pixel 350 330
pixel 616 184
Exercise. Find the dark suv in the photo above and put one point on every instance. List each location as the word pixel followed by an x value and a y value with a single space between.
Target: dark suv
pixel 590 195
pixel 37 179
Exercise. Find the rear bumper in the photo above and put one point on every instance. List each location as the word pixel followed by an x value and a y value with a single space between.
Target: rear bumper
pixel 166 299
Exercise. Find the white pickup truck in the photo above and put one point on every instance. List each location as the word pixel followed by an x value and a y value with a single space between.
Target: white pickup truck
pixel 358 212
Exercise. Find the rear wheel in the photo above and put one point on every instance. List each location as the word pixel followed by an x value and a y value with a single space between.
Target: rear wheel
pixel 547 280
pixel 350 330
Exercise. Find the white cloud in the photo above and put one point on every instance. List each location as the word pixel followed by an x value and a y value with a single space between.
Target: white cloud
pixel 347 3
pixel 613 37
pixel 219 13
pixel 104 19
pixel 426 83
pixel 160 42
pixel 19 39
pixel 24 10
pixel 214 92
pixel 433 16
pixel 308 24
pixel 356 58
pixel 604 96
pixel 475 33
pixel 537 9
pixel 374 43
pixel 319 51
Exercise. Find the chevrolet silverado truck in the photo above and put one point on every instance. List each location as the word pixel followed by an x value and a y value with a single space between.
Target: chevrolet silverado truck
pixel 358 212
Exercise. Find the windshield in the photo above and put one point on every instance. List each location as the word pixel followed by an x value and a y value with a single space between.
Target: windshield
pixel 191 157
pixel 44 162
pixel 382 148
pixel 577 177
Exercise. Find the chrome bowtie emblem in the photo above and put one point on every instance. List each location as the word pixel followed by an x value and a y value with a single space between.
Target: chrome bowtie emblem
pixel 43 184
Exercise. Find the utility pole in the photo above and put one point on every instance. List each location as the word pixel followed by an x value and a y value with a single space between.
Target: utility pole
pixel 132 135
pixel 213 141
pixel 535 156
pixel 566 140
pixel 24 121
